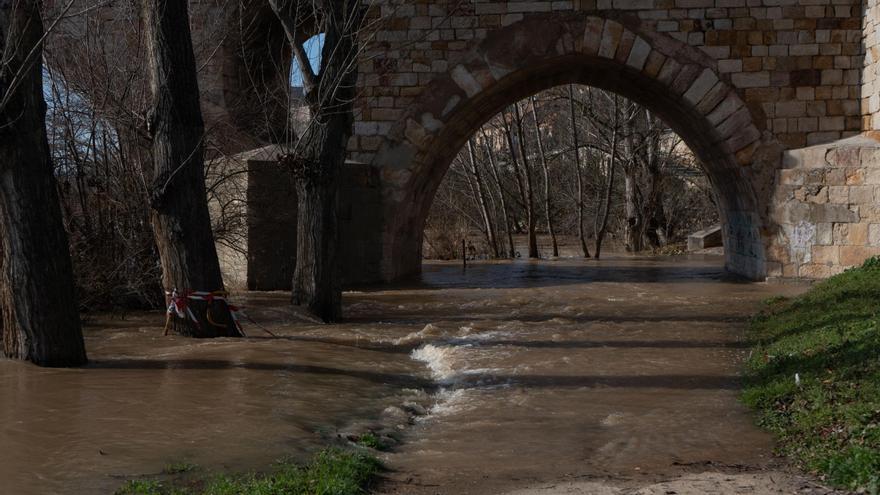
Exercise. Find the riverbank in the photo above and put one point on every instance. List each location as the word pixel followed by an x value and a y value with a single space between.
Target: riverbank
pixel 332 471
pixel 814 377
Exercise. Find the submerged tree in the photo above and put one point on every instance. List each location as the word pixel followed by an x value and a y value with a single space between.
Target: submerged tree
pixel 317 156
pixel 180 217
pixel 40 320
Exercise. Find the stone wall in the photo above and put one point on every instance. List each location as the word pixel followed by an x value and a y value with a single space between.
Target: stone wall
pixel 271 223
pixel 828 200
pixel 796 62
pixel 267 258
pixel 870 100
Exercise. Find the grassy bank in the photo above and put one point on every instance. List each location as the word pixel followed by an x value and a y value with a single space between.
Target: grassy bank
pixel 828 418
pixel 331 472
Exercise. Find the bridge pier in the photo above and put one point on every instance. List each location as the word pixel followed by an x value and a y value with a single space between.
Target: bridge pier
pixel 827 206
pixel 265 255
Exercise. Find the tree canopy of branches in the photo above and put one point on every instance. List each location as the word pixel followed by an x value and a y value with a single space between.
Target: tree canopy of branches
pixel 571 161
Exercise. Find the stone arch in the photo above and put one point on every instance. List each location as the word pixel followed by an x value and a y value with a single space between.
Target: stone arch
pixel 679 83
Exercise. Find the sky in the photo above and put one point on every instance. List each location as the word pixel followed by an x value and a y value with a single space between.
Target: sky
pixel 313 49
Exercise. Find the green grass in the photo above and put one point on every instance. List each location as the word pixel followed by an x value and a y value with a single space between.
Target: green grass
pixel 330 472
pixel 371 441
pixel 141 487
pixel 830 338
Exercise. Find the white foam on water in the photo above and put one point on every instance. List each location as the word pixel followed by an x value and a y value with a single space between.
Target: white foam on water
pixel 427 333
pixel 440 360
pixel 492 335
pixel 449 402
pixel 613 419
pixel 447 367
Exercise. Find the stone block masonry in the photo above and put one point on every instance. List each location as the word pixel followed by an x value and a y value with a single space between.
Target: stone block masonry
pixel 828 205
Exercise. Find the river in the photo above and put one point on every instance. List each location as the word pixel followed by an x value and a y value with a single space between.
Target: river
pixel 507 376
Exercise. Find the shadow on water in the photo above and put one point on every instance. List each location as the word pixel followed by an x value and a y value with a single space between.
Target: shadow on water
pixel 406 348
pixel 426 316
pixel 512 274
pixel 601 344
pixel 674 382
pixel 470 380
pixel 220 364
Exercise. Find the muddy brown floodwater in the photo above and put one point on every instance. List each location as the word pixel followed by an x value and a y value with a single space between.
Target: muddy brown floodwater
pixel 563 376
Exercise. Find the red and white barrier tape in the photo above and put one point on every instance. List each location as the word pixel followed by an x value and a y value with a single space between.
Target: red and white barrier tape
pixel 179 305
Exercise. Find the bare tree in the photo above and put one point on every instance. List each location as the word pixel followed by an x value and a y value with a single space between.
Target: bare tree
pixel 542 154
pixel 499 186
pixel 320 152
pixel 578 173
pixel 609 168
pixel 40 321
pixel 646 155
pixel 599 134
pixel 480 198
pixel 523 173
pixel 181 222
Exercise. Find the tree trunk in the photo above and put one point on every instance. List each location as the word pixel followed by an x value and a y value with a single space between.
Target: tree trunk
pixel 653 231
pixel 40 319
pixel 529 186
pixel 634 222
pixel 582 237
pixel 180 218
pixel 480 190
pixel 493 167
pixel 517 169
pixel 321 151
pixel 605 208
pixel 316 279
pixel 548 209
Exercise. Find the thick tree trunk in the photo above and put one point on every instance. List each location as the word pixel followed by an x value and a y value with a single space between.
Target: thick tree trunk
pixel 548 207
pixel 634 222
pixel 40 320
pixel 321 151
pixel 180 218
pixel 316 283
pixel 482 203
pixel 581 206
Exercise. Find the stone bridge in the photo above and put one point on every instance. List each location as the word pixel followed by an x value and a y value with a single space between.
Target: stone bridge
pixel 776 97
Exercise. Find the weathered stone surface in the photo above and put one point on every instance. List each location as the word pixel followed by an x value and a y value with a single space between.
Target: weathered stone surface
pixel 706 238
pixel 846 224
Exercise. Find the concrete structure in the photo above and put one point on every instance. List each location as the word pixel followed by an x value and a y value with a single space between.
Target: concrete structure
pixel 258 203
pixel 770 95
pixel 706 238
